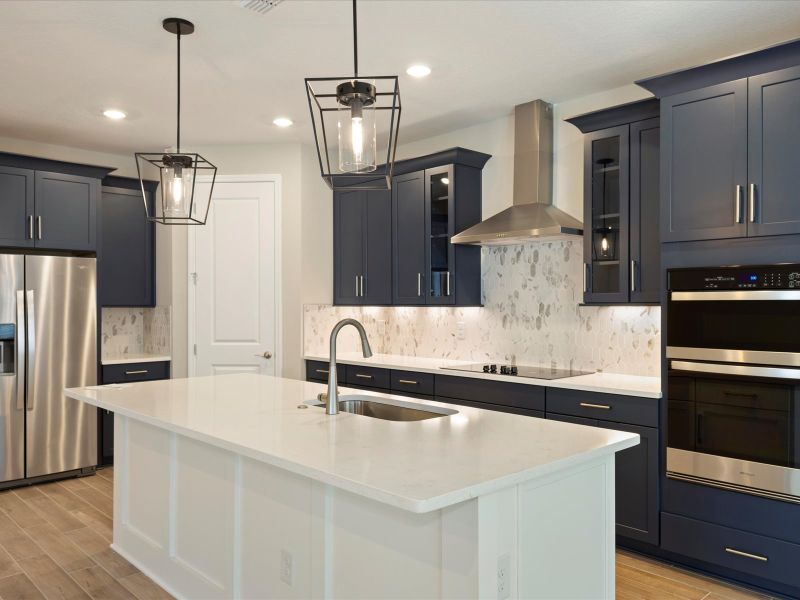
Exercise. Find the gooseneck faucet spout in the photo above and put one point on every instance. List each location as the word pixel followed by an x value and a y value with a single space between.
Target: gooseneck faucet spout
pixel 332 401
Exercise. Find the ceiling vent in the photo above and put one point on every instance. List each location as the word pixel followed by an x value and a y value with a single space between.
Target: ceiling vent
pixel 259 6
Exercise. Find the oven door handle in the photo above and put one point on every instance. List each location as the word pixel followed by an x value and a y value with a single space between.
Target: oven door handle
pixel 736 369
pixel 699 426
pixel 709 295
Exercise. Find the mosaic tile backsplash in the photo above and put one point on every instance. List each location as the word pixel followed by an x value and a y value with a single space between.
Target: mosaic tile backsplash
pixel 531 315
pixel 136 331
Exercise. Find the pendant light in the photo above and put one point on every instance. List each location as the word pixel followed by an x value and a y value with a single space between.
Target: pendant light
pixel 365 113
pixel 179 202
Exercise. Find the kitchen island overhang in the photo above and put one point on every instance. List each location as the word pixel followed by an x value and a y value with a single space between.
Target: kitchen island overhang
pixel 225 488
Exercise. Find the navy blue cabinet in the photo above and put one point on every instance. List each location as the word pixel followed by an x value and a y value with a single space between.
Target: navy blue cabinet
pixel 645 241
pixel 126 265
pixel 774 153
pixel 16 207
pixel 637 468
pixel 704 163
pixel 730 159
pixel 66 211
pixel 362 241
pixel 621 203
pixel 429 207
pixel 408 214
pixel 393 247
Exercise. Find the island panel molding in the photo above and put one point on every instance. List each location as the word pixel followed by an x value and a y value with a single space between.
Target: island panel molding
pixel 531 315
pixel 205 522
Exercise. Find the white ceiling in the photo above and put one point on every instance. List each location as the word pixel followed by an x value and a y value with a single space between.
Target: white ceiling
pixel 63 62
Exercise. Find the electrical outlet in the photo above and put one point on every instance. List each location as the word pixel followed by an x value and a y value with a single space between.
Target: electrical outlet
pixel 460 330
pixel 286 567
pixel 504 577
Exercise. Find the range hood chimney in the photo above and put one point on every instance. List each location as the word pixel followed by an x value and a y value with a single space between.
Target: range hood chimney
pixel 532 217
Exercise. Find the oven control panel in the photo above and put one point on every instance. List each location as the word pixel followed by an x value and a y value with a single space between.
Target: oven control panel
pixel 767 277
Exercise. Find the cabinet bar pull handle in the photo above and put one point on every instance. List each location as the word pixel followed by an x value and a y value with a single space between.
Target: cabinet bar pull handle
pixel 419 284
pixel 633 275
pixel 585 277
pixel 447 274
pixel 30 227
pixel 139 372
pixel 590 405
pixel 737 203
pixel 408 381
pixel 323 371
pixel 361 279
pixel 362 376
pixel 752 202
pixel 39 226
pixel 746 554
pixel 356 286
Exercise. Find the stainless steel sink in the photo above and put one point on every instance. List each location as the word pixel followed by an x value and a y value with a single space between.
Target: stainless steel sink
pixel 388 410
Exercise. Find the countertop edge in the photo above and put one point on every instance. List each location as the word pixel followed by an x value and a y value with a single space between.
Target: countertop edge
pixel 123 360
pixel 566 383
pixel 414 505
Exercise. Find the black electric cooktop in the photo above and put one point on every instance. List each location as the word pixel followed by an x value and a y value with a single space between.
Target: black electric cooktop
pixel 519 371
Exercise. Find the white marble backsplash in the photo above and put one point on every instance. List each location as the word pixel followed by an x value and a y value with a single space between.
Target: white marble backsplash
pixel 136 331
pixel 531 315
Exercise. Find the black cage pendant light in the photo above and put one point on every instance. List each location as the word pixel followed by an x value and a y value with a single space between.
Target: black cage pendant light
pixel 354 119
pixel 179 202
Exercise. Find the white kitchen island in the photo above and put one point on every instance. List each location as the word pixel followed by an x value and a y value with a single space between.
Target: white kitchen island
pixel 225 488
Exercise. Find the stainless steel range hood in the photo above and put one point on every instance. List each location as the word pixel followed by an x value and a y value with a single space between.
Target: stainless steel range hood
pixel 532 216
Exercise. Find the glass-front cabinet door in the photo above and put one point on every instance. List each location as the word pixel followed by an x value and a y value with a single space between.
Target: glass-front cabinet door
pixel 606 251
pixel 439 196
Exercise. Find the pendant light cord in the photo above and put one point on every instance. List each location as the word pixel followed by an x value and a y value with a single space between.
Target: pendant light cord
pixel 355 40
pixel 179 91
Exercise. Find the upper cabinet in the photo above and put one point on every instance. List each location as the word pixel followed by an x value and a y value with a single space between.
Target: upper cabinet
pixel 48 204
pixel 362 247
pixel 393 247
pixel 621 199
pixel 773 165
pixel 16 207
pixel 731 139
pixel 126 253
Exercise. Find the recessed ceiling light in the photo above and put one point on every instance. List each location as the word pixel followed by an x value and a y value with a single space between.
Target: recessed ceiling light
pixel 283 122
pixel 418 70
pixel 114 114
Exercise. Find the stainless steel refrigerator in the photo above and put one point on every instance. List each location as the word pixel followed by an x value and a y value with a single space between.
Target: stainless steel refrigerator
pixel 48 341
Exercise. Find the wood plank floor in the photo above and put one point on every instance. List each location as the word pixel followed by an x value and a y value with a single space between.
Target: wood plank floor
pixel 54 544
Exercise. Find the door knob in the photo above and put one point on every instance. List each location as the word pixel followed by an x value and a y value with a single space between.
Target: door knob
pixel 267 354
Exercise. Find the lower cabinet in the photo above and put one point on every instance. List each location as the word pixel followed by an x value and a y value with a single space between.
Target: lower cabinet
pixel 770 560
pixel 123 373
pixel 637 468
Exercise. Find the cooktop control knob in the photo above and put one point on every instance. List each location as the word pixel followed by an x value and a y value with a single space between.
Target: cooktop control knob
pixel 504 370
pixel 493 368
pixel 486 368
pixel 512 370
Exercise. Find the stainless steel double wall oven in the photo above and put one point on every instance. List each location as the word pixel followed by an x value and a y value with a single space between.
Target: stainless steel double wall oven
pixel 733 352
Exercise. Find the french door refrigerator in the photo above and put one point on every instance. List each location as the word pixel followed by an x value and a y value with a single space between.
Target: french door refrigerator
pixel 48 341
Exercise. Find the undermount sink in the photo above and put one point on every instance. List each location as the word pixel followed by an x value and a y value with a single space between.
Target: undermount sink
pixel 369 406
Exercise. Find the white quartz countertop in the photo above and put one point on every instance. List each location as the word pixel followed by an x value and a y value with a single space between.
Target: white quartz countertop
pixel 418 466
pixel 135 358
pixel 608 383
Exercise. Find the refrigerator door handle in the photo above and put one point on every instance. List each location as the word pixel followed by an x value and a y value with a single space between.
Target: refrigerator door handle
pixel 20 343
pixel 31 347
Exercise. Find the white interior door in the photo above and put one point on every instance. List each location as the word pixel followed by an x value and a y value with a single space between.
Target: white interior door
pixel 233 299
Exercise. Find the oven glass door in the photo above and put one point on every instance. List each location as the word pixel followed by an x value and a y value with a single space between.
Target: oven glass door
pixel 749 325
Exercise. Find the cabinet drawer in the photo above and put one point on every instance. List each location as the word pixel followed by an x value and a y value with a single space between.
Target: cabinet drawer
pixel 486 406
pixel 146 371
pixel 746 395
pixel 606 407
pixel 370 377
pixel 413 383
pixel 768 558
pixel 568 419
pixel 501 393
pixel 316 370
